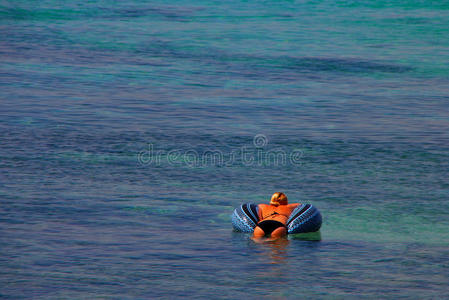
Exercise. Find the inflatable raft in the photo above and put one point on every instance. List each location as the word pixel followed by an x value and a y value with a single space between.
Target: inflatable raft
pixel 304 218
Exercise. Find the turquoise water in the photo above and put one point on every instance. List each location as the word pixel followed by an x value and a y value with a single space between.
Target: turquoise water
pixel 130 130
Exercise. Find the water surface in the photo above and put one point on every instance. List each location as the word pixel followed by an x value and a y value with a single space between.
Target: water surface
pixel 109 111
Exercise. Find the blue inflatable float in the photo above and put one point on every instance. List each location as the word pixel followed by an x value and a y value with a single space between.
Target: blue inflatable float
pixel 304 218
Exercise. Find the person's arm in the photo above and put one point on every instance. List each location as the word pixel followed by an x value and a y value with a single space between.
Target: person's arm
pixel 260 211
pixel 294 205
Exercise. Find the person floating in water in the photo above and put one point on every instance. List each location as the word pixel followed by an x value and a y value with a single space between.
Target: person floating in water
pixel 276 219
pixel 273 217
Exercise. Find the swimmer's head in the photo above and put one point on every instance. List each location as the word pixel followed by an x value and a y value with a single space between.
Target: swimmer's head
pixel 279 199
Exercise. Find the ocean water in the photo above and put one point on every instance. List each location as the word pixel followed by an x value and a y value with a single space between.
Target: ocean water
pixel 130 130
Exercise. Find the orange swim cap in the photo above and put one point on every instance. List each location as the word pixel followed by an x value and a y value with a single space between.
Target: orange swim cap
pixel 279 199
